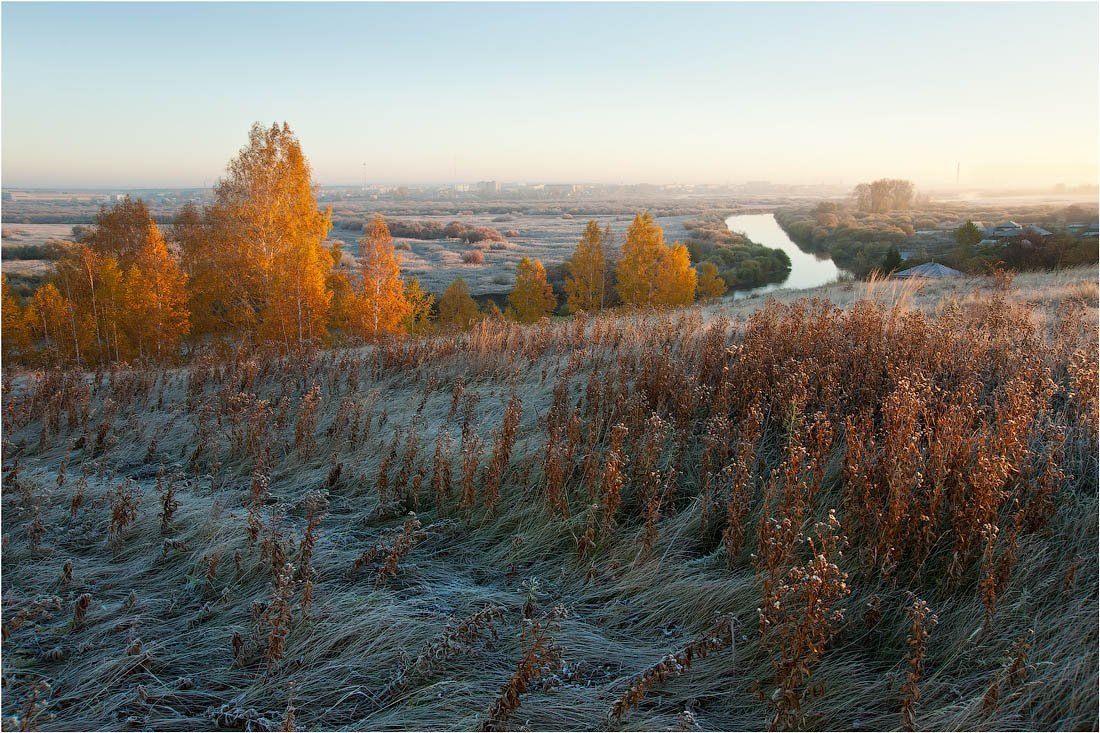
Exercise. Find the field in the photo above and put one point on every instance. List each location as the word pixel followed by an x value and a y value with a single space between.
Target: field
pixel 550 238
pixel 703 519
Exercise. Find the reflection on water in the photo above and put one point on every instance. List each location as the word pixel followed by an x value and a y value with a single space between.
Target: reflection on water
pixel 807 270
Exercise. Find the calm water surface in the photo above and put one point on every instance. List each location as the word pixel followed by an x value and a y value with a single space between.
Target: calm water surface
pixel 807 270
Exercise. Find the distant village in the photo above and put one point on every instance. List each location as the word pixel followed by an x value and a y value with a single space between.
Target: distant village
pixel 1006 230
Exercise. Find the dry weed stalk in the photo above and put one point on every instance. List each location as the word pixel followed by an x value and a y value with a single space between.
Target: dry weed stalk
pixel 502 453
pixel 455 639
pixel 124 509
pixel 923 621
pixel 540 656
pixel 305 430
pixel 169 504
pixel 442 472
pixel 278 614
pixel 80 609
pixel 1012 672
pixel 717 637
pixel 316 506
pixel 612 479
pixel 799 618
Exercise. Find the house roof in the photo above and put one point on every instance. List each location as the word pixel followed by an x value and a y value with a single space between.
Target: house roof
pixel 929 270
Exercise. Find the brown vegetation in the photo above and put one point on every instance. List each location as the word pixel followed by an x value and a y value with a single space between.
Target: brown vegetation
pixel 793 473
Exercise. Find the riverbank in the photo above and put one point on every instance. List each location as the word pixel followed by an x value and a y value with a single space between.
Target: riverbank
pixel 742 262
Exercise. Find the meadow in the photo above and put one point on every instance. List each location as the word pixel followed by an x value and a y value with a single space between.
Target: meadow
pixel 869 506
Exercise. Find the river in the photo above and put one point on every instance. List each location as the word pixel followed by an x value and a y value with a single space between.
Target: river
pixel 807 270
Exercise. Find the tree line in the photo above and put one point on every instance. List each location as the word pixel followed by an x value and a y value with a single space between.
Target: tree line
pixel 253 267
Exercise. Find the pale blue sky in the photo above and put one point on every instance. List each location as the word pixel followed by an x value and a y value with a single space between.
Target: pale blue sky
pixel 150 95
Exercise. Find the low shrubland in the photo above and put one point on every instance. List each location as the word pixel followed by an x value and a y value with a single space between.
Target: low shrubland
pixel 869 517
pixel 859 241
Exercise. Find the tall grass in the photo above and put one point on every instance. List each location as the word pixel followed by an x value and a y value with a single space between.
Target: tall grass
pixel 772 493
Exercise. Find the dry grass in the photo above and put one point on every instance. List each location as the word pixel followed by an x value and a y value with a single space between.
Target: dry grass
pixel 795 470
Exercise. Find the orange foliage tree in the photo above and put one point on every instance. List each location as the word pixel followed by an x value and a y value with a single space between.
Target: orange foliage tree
pixel 16 334
pixel 381 306
pixel 420 302
pixel 265 267
pixel 55 322
pixel 156 300
pixel 532 297
pixel 120 231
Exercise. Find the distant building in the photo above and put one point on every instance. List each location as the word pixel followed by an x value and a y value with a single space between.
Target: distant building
pixel 1004 230
pixel 1010 230
pixel 929 270
pixel 488 187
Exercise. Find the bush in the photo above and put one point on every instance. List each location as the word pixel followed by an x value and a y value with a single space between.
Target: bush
pixel 53 249
pixel 473 257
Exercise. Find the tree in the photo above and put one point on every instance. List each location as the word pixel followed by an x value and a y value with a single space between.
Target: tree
pixel 16 334
pixel 265 269
pixel 967 238
pixel 711 285
pixel 650 272
pixel 92 283
pixel 532 297
pixel 342 305
pixel 418 320
pixel 676 278
pixel 456 308
pixel 584 288
pixel 883 195
pixel 156 300
pixel 120 231
pixel 636 273
pixel 53 319
pixel 891 261
pixel 381 306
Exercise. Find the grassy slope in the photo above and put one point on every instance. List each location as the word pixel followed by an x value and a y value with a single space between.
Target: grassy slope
pixel 625 618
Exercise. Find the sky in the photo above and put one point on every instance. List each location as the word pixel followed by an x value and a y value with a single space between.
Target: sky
pixel 148 95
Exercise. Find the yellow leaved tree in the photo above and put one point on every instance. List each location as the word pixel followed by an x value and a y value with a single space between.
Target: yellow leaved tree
pixel 711 285
pixel 156 300
pixel 264 266
pixel 584 288
pixel 532 297
pixel 650 272
pixel 419 318
pixel 381 306
pixel 16 335
pixel 456 308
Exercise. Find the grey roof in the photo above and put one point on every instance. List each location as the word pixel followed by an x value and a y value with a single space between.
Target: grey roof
pixel 929 270
pixel 1035 229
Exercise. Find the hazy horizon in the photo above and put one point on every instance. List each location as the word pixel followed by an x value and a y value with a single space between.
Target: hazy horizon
pixel 154 96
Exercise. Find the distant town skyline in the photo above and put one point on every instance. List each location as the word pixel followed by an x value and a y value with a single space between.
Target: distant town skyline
pixel 162 95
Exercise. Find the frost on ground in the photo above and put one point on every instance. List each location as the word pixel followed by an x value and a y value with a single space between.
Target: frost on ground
pixel 870 516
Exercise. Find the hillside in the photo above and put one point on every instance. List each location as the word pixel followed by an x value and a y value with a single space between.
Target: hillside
pixel 515 526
